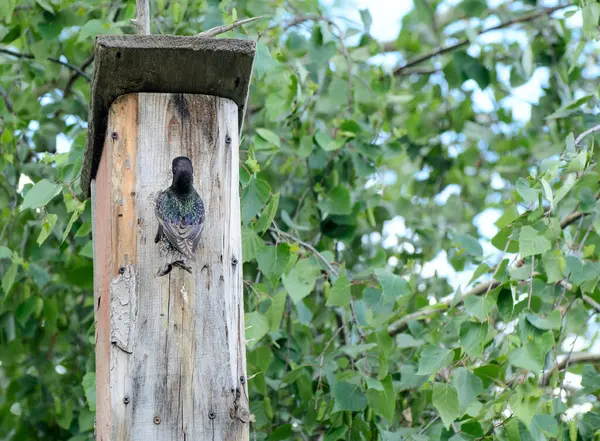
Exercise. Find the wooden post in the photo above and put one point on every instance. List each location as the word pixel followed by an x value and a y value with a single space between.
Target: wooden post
pixel 170 351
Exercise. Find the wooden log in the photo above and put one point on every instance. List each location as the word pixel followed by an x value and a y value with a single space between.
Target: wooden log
pixel 170 351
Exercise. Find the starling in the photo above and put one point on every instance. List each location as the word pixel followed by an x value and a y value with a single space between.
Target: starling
pixel 180 213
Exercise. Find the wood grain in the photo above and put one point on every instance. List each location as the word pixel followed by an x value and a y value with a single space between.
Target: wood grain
pixel 179 366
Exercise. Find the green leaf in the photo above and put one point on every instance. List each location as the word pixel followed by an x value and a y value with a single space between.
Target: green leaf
pixel 582 271
pixel 472 68
pixel 47 226
pixel 335 434
pixel 340 292
pixel 251 243
pixel 74 217
pixel 324 141
pixel 530 242
pixel 253 198
pixel 532 354
pixel 543 427
pixel 337 202
pixel 301 279
pixel 551 321
pixel 433 359
pixel 267 216
pixel 469 244
pixel 393 286
pixel 275 312
pixel 89 388
pixel 468 385
pixel 383 402
pixel 479 306
pixel 528 194
pixel 365 16
pixel 566 186
pixel 577 164
pixel 273 260
pixel 269 136
pixel 9 278
pixel 257 326
pixel 591 13
pixel 473 338
pixel 356 350
pixel 445 400
pixel 65 417
pixel 348 396
pixel 554 264
pixel 510 214
pixel 5 253
pixel 40 194
pixel 407 341
pixel 48 7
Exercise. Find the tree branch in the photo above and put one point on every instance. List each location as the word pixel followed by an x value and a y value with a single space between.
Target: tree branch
pixel 142 20
pixel 443 49
pixel 52 59
pixel 401 325
pixel 75 75
pixel 569 361
pixel 226 28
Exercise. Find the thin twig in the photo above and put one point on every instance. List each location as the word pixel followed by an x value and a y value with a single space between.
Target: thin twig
pixel 494 427
pixel 355 319
pixel 52 59
pixel 306 245
pixel 226 28
pixel 586 133
pixel 345 52
pixel 443 49
pixel 7 101
pixel 75 75
pixel 573 360
pixel 531 282
pixel 322 360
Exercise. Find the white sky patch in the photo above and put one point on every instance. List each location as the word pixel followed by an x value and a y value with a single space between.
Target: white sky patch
pixel 23 180
pixel 442 197
pixel 485 222
pixel 63 144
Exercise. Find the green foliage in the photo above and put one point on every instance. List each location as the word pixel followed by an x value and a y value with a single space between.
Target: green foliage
pixel 356 181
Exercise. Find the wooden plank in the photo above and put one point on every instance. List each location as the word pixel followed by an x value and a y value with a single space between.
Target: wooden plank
pixel 179 366
pixel 128 64
pixel 115 254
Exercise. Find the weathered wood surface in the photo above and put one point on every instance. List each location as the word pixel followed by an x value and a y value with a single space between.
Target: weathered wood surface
pixel 167 369
pixel 162 63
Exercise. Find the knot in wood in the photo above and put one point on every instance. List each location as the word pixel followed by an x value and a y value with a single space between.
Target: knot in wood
pixel 157 420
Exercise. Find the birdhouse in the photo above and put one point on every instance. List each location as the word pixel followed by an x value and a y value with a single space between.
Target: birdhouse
pixel 170 348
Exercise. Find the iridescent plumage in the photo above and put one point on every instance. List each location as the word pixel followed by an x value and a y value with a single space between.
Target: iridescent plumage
pixel 180 213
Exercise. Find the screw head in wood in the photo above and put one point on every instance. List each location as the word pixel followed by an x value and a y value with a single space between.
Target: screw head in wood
pixel 211 415
pixel 114 135
pixel 157 420
pixel 243 379
pixel 228 139
pixel 234 261
pixel 126 400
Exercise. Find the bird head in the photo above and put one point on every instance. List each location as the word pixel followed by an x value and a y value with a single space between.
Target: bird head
pixel 183 174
